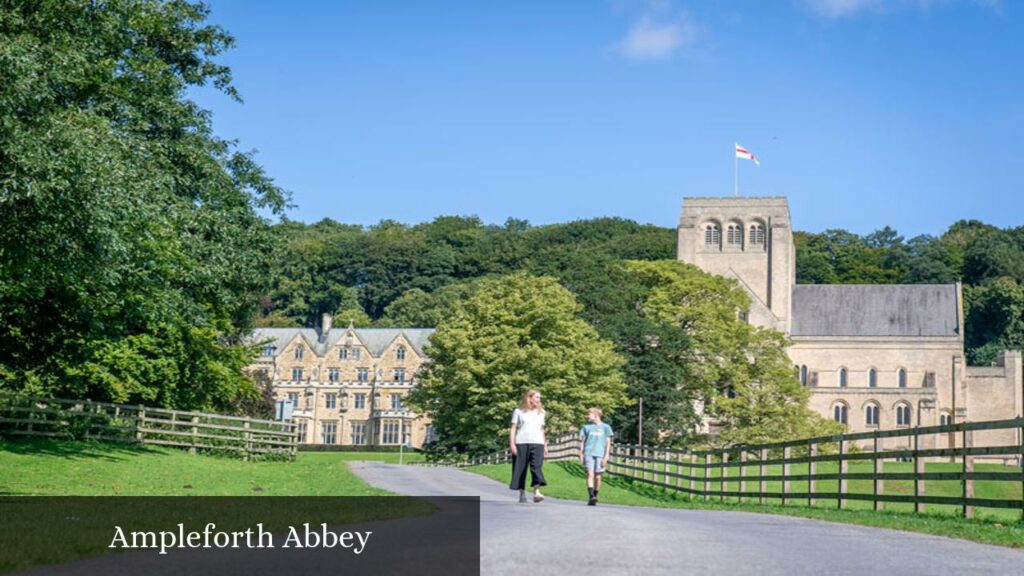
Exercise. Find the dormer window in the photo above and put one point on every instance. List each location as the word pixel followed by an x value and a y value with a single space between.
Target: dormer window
pixel 269 350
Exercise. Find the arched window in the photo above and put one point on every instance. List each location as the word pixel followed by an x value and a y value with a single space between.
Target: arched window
pixel 712 235
pixel 871 414
pixel 945 418
pixel 400 353
pixel 803 375
pixel 903 414
pixel 872 378
pixel 734 235
pixel 299 351
pixel 842 378
pixel 756 237
pixel 839 412
pixel 901 378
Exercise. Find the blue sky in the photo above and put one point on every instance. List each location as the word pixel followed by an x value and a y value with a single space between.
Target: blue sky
pixel 864 113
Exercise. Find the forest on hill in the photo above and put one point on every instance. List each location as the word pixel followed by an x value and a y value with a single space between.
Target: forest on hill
pixel 393 274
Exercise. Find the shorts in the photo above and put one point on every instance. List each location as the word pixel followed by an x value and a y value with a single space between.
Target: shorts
pixel 593 464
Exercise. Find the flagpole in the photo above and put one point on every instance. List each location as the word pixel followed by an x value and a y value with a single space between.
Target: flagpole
pixel 736 171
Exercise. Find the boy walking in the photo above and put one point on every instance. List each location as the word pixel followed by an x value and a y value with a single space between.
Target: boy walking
pixel 595 446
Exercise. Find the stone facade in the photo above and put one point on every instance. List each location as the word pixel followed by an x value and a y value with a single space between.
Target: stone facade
pixel 875 357
pixel 347 385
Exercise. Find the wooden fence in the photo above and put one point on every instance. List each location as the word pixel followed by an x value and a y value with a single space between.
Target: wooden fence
pixel 742 473
pixel 196 431
pixel 746 473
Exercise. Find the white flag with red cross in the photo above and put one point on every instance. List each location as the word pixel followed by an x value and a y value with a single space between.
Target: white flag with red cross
pixel 742 152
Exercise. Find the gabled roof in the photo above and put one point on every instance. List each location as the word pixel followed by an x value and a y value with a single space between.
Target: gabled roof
pixel 909 310
pixel 376 340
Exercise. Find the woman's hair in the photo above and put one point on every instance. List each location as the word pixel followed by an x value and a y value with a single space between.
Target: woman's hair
pixel 524 403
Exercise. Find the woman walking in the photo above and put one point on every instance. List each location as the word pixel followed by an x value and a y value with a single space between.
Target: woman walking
pixel 529 445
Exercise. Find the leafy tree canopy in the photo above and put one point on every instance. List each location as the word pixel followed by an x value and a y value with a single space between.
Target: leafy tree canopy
pixel 133 249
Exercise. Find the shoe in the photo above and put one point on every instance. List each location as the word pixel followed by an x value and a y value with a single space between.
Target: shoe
pixel 522 498
pixel 538 497
pixel 592 501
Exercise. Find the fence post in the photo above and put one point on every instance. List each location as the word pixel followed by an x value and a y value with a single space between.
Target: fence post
pixel 140 423
pixel 763 484
pixel 195 432
pixel 721 479
pixel 707 475
pixel 918 471
pixel 843 468
pixel 812 469
pixel 968 467
pixel 877 467
pixel 247 439
pixel 1020 462
pixel 743 473
pixel 785 474
pixel 692 473
pixel 679 470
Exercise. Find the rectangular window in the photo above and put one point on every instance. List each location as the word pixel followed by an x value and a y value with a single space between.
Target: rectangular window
pixel 356 353
pixel 333 374
pixel 343 354
pixel 302 430
pixel 331 400
pixel 293 397
pixel 329 432
pixel 269 350
pixel 363 374
pixel 396 402
pixel 391 431
pixel 360 401
pixel 399 374
pixel 359 433
pixel 297 374
pixel 299 350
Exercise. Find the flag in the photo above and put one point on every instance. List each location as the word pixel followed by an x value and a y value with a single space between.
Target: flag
pixel 742 152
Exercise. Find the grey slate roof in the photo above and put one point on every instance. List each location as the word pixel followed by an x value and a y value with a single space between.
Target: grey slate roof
pixel 375 339
pixel 875 310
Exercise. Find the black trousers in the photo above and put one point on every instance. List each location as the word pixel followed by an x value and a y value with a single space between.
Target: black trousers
pixel 531 455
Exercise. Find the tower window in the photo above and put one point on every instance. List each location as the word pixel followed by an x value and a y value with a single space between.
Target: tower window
pixel 903 415
pixel 734 235
pixel 842 377
pixel 901 378
pixel 756 234
pixel 839 413
pixel 712 235
pixel 872 378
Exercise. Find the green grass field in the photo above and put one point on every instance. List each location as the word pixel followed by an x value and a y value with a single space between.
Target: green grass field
pixel 66 468
pixel 567 480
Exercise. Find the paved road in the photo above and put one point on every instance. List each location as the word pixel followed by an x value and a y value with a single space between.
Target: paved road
pixel 568 537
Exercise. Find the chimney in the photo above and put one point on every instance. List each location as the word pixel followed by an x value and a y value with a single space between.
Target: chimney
pixel 325 326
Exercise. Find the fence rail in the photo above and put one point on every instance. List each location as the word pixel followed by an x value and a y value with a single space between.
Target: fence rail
pixel 138 424
pixel 763 472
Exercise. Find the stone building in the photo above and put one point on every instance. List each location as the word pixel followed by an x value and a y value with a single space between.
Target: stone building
pixel 874 356
pixel 347 385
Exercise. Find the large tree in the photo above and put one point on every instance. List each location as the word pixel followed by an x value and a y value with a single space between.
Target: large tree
pixel 133 249
pixel 740 372
pixel 514 333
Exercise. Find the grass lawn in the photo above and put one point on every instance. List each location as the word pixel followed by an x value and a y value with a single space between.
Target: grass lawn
pixel 66 468
pixel 567 480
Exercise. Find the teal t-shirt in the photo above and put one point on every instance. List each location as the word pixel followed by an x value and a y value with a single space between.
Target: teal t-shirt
pixel 594 438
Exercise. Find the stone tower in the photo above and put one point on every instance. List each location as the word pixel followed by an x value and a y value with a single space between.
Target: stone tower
pixel 748 239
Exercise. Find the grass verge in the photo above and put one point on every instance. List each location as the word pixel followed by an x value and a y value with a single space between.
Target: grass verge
pixel 567 480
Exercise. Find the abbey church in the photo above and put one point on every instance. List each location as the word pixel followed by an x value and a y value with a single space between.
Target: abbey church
pixel 874 356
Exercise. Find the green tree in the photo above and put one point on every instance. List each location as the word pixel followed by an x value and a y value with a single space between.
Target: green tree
pixel 515 333
pixel 133 251
pixel 741 371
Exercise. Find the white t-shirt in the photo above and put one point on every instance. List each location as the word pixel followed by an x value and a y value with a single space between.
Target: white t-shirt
pixel 529 426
